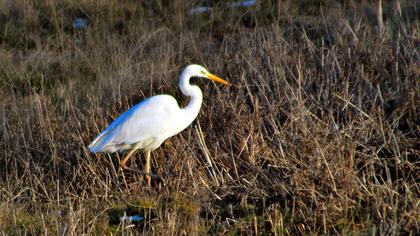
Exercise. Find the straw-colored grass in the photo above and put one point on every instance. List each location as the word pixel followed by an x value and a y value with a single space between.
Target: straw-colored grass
pixel 319 135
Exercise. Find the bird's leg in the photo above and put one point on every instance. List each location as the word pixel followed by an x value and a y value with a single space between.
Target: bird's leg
pixel 122 163
pixel 148 177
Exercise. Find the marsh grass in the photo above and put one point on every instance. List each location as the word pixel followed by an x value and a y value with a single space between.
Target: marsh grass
pixel 319 134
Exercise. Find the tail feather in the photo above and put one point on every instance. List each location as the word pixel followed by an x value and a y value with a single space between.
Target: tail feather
pixel 100 142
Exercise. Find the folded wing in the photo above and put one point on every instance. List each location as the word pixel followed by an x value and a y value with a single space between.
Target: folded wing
pixel 143 126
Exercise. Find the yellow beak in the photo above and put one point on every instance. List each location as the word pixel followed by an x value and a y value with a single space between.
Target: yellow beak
pixel 217 79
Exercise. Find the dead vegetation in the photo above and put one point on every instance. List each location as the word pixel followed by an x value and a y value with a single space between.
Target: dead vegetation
pixel 319 135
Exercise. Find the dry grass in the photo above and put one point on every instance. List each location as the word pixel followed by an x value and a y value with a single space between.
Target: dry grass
pixel 320 135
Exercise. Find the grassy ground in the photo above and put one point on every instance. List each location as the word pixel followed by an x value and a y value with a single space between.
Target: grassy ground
pixel 319 135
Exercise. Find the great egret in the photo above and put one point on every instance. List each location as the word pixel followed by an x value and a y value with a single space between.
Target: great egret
pixel 148 124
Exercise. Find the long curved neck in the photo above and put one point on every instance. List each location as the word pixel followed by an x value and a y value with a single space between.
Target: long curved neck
pixel 191 110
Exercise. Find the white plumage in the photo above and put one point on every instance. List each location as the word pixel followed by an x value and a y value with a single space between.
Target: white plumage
pixel 148 124
pixel 144 126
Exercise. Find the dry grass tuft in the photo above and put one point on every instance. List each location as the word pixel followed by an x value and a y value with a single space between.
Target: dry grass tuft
pixel 319 135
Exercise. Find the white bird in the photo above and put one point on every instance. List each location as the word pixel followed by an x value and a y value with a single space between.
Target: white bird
pixel 149 123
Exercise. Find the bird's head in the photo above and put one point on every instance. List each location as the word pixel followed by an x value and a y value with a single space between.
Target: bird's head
pixel 200 71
